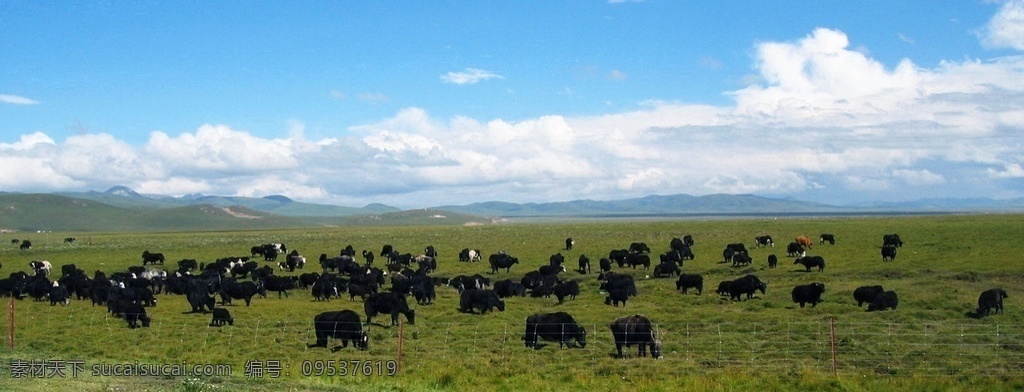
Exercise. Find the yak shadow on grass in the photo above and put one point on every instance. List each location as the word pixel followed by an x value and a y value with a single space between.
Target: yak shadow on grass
pixel 974 315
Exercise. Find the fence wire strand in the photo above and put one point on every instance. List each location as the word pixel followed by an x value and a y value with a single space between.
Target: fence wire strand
pixel 857 348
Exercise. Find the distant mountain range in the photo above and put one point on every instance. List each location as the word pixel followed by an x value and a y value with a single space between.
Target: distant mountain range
pixel 122 209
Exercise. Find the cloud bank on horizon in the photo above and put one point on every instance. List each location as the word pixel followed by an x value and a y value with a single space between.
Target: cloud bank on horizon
pixel 819 120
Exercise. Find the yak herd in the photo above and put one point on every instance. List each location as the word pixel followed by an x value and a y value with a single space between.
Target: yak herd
pixel 126 294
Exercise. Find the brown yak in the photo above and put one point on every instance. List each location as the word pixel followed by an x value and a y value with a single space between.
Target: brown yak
pixel 804 241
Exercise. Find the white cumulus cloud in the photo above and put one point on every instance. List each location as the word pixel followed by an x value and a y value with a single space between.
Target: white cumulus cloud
pixel 17 100
pixel 1006 28
pixel 469 76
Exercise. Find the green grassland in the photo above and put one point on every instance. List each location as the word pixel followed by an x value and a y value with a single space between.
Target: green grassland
pixel 711 343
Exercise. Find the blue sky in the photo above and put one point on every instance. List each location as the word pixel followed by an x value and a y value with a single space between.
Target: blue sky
pixel 417 104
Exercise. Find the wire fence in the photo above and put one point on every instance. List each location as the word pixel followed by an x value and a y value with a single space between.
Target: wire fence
pixel 828 346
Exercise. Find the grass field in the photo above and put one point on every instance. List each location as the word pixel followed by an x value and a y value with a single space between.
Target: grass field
pixel 711 343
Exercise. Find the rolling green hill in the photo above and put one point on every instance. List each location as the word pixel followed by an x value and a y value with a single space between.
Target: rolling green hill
pixel 44 212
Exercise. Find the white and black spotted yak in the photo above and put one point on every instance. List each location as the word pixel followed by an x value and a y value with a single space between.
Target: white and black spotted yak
pixel 558 326
pixel 342 325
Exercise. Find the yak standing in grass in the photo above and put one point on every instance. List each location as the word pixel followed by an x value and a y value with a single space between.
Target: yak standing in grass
pixel 342 325
pixel 152 258
pixel 808 293
pixel 811 262
pixel 883 301
pixel 889 252
pixel 559 326
pixel 991 300
pixel 867 294
pixel 221 316
pixel 746 286
pixel 388 303
pixel 687 281
pixel 483 300
pixel 501 260
pixel 636 330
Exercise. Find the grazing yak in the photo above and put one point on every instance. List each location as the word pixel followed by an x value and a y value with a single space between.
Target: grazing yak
pixel 483 300
pixel 185 265
pixel 682 247
pixel 423 289
pixel 584 264
pixel 502 260
pixel 866 294
pixel 991 300
pixel 509 288
pixel 686 281
pixel 666 269
pixel 293 260
pixel 342 325
pixel 368 256
pixel 810 262
pixel 42 267
pixel 616 296
pixel 892 239
pixel 386 250
pixel 804 242
pixel 60 294
pixel 26 244
pixel 152 258
pixel 618 256
pixel 808 293
pixel 388 303
pixel 636 258
pixel 566 289
pixel 636 330
pixel 639 247
pixel 723 287
pixel 746 285
pixel 883 301
pixel 888 252
pixel 221 316
pixel 612 282
pixel 307 279
pixel 773 261
pixel 360 290
pixel 551 269
pixel 672 256
pixel 830 238
pixel 469 255
pixel 280 284
pixel 232 289
pixel 569 242
pixel 794 249
pixel 199 292
pixel 558 326
pixel 462 282
pixel 135 314
pixel 740 259
pixel 764 240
